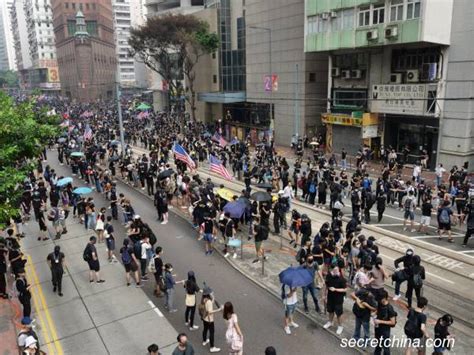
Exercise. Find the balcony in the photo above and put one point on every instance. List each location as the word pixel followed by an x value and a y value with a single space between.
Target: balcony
pixel 355 27
pixel 164 4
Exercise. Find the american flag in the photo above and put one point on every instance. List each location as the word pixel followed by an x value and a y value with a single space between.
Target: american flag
pixel 181 154
pixel 88 132
pixel 218 168
pixel 218 138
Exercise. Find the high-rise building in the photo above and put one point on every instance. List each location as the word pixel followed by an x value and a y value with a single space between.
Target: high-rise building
pixel 7 49
pixel 85 45
pixel 398 76
pixel 20 35
pixel 34 47
pixel 122 25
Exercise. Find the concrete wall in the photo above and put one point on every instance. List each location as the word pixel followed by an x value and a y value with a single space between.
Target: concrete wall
pixel 457 124
pixel 286 20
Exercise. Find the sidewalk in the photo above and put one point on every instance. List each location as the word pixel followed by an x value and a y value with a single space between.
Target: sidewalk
pixel 10 314
pixel 265 275
pixel 108 318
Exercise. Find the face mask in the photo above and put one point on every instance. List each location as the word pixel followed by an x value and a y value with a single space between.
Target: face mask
pixel 171 270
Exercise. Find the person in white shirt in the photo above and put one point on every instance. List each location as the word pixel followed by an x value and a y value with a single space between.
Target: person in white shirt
pixel 417 173
pixel 145 244
pixel 290 306
pixel 439 171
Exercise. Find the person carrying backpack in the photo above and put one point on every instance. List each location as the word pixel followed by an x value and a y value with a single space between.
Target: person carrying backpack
pixel 415 328
pixel 444 221
pixel 409 205
pixel 386 318
pixel 130 263
pixel 26 332
pixel 442 337
pixel 402 274
pixel 415 281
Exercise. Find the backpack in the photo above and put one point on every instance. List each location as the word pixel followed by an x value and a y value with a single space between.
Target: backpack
pixel 444 216
pixel 87 254
pixel 407 204
pixel 137 250
pixel 202 310
pixel 126 257
pixel 300 254
pixel 389 310
pixel 417 280
pixel 312 188
pixel 412 325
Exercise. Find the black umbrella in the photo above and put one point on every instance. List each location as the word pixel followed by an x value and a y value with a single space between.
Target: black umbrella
pixel 165 174
pixel 261 196
pixel 265 186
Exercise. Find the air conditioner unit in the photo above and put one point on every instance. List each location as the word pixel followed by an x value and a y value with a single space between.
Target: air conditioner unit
pixel 335 72
pixel 391 32
pixel 396 78
pixel 413 76
pixel 356 74
pixel 325 15
pixel 333 14
pixel 372 35
pixel 346 74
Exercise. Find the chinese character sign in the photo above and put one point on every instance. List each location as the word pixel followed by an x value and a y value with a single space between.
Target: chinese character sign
pixel 408 99
pixel 270 83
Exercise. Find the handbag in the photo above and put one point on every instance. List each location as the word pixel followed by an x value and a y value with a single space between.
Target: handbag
pixel 338 205
pixel 190 300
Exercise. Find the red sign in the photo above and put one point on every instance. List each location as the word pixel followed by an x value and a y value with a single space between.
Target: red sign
pixel 270 83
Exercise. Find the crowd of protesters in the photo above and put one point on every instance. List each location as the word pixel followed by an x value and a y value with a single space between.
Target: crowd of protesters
pixel 338 257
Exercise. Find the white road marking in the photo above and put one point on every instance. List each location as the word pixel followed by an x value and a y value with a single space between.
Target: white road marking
pixel 389 224
pixel 179 236
pixel 155 309
pixel 434 236
pixel 467 251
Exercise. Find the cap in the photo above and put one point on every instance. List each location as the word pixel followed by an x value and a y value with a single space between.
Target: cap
pixel 207 291
pixel 372 238
pixel 26 321
pixel 136 216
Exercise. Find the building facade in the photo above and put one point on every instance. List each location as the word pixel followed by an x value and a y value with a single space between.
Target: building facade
pixel 20 35
pixel 286 86
pixel 34 45
pixel 122 25
pixel 7 51
pixel 86 48
pixel 394 67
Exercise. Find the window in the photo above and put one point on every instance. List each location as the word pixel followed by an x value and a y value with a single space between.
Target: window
pixel 348 19
pixel 93 6
pixel 91 27
pixel 364 16
pixel 213 55
pixel 87 6
pixel 66 5
pixel 343 98
pixel 378 14
pixel 323 25
pixel 312 24
pixel 336 22
pixel 214 79
pixel 413 9
pixel 312 77
pixel 73 5
pixel 396 10
pixel 80 6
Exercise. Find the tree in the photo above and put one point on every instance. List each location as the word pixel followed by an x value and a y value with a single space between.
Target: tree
pixel 172 45
pixel 24 130
pixel 8 78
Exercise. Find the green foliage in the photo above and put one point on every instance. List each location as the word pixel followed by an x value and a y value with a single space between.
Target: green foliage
pixel 8 78
pixel 23 133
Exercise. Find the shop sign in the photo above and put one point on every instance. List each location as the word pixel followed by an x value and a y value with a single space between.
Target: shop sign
pixel 53 75
pixel 341 119
pixel 370 131
pixel 270 83
pixel 405 99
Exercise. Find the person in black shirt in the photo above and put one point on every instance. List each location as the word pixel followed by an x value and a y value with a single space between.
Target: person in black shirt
pixel 336 287
pixel 113 202
pixel 3 271
pixel 207 232
pixel 469 211
pixel 24 295
pixel 415 327
pixel 415 281
pixel 386 319
pixel 407 261
pixel 426 209
pixel 441 334
pixel 56 264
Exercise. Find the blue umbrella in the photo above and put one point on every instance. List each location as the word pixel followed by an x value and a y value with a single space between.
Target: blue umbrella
pixel 296 277
pixel 64 181
pixel 236 209
pixel 82 190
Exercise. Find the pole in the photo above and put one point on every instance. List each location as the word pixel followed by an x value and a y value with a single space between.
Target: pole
pixel 119 109
pixel 272 122
pixel 297 114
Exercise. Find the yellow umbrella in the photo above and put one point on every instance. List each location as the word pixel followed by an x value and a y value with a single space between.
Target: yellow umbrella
pixel 226 194
pixel 274 198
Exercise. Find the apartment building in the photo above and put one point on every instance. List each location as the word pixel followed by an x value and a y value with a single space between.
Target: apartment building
pixel 397 73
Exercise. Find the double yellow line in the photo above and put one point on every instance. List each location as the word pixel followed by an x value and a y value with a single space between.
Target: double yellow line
pixel 48 330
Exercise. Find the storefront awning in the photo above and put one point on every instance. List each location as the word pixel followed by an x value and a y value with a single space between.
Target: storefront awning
pixel 222 97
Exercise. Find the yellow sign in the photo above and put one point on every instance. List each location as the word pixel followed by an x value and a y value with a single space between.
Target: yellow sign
pixel 341 119
pixel 53 75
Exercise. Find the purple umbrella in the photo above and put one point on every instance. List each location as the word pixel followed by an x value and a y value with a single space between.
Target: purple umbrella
pixel 236 209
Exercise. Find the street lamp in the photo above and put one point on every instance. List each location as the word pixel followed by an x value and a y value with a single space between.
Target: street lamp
pixel 269 30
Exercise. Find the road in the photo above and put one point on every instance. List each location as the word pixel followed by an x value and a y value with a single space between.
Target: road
pixel 260 314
